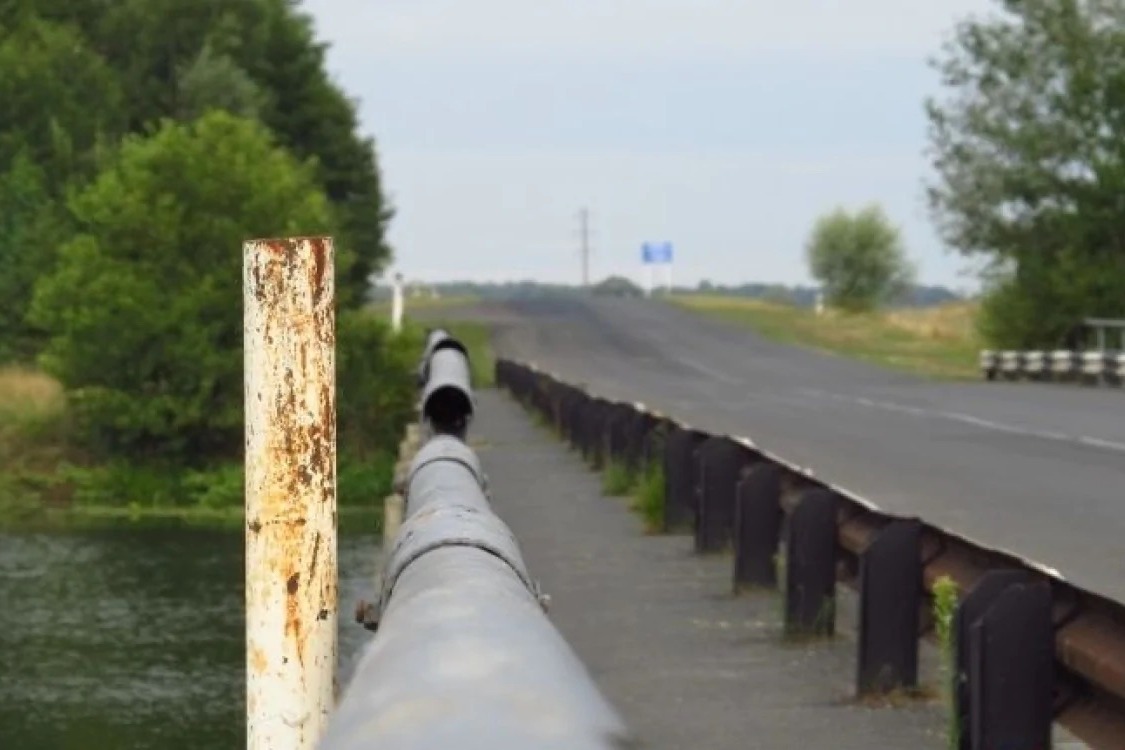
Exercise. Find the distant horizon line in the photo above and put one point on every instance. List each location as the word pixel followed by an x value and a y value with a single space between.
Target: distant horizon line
pixel 384 281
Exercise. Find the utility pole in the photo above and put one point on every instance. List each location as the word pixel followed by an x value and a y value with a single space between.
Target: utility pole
pixel 584 220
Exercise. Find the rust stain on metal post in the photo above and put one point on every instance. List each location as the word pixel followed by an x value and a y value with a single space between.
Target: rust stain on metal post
pixel 291 572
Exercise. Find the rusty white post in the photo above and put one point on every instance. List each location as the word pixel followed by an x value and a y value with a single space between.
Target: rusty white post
pixel 396 304
pixel 291 576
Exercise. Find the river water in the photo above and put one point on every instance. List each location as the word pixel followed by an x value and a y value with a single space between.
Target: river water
pixel 132 639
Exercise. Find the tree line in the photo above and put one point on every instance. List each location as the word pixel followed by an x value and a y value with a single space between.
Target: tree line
pixel 142 142
pixel 799 295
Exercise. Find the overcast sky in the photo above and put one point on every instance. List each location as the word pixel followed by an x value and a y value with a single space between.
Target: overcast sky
pixel 723 126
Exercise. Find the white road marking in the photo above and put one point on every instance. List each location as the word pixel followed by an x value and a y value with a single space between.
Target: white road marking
pixel 703 370
pixel 986 424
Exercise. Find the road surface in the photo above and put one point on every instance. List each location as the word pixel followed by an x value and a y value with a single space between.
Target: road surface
pixel 1034 469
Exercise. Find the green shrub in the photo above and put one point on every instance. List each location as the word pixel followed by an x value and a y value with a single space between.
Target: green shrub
pixel 221 487
pixel 617 480
pixel 144 309
pixel 376 390
pixel 648 498
pixel 365 482
pixel 119 483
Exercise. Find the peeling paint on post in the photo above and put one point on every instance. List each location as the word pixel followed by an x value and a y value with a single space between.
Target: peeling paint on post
pixel 291 575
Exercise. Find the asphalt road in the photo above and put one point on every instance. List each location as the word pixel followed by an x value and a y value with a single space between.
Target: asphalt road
pixel 1038 470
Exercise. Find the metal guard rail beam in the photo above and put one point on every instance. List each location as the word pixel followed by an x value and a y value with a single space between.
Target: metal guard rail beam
pixel 464 655
pixel 1089 629
pixel 1064 366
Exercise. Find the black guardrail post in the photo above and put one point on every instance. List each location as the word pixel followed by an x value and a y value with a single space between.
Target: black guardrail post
pixel 639 426
pixel 971 608
pixel 810 565
pixel 615 430
pixel 757 527
pixel 890 594
pixel 587 427
pixel 722 462
pixel 1004 644
pixel 679 478
pixel 597 423
pixel 652 455
pixel 572 419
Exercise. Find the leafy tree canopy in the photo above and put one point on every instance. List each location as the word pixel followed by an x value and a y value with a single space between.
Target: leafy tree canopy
pixel 858 258
pixel 144 306
pixel 78 75
pixel 1028 144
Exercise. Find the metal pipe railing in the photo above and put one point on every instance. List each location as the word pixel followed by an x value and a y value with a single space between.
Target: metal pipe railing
pixel 464 654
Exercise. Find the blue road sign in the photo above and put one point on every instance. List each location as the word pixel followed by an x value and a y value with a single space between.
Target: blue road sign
pixel 656 252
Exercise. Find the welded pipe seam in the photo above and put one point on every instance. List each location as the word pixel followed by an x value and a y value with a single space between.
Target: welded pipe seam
pixel 453 524
pixel 465 659
pixel 449 449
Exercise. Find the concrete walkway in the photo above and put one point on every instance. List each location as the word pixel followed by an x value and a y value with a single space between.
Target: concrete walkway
pixel 689 666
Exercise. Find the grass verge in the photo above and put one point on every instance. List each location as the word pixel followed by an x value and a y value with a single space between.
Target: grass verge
pixel 645 490
pixel 352 519
pixel 476 336
pixel 81 495
pixel 47 481
pixel 938 342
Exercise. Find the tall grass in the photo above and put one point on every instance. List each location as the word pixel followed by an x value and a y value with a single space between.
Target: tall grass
pixel 938 341
pixel 617 480
pixel 32 418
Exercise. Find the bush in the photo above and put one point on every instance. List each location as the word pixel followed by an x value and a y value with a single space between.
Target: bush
pixel 617 480
pixel 375 384
pixel 1040 304
pixel 144 310
pixel 858 258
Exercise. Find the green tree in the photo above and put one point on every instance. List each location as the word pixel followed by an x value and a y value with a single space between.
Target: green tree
pixel 60 98
pixel 858 258
pixel 31 223
pixel 61 102
pixel 214 81
pixel 314 118
pixel 171 58
pixel 1028 145
pixel 144 308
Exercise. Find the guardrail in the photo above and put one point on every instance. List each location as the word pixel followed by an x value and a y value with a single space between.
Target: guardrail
pixel 1064 366
pixel 464 654
pixel 1030 647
